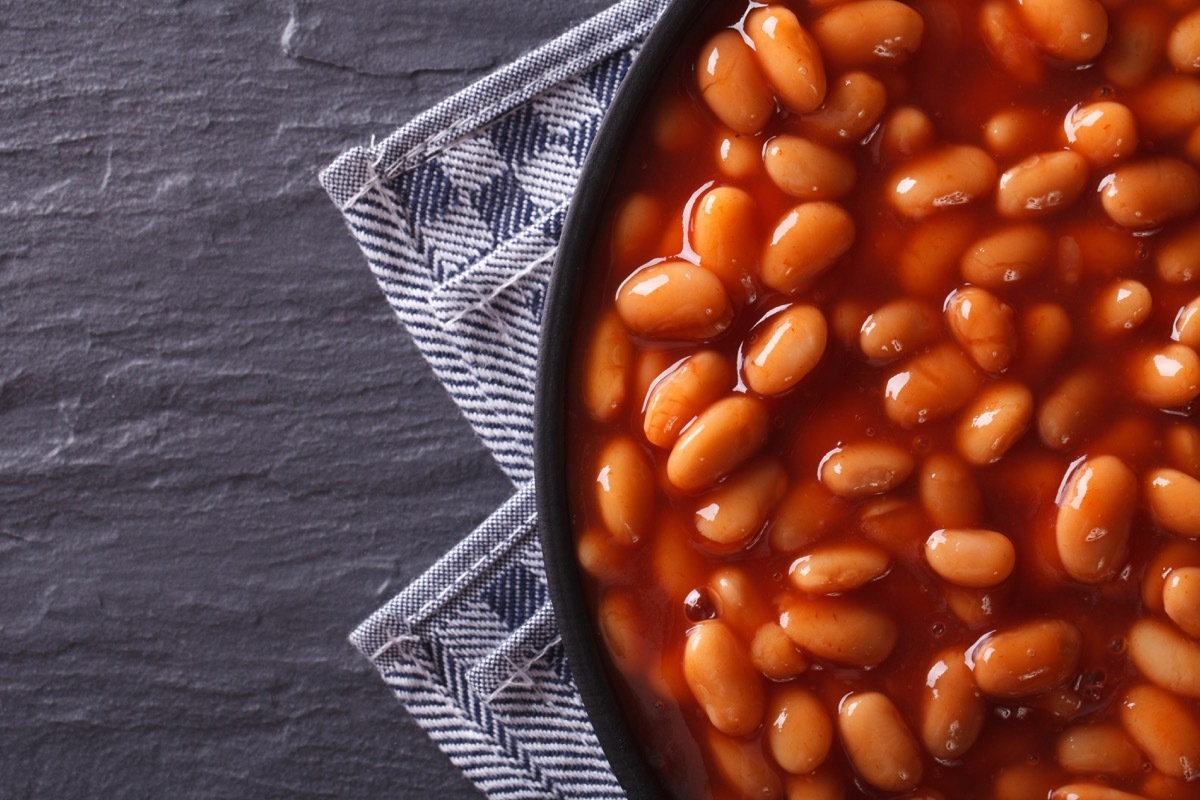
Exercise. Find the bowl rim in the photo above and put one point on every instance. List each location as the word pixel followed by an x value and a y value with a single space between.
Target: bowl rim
pixel 579 635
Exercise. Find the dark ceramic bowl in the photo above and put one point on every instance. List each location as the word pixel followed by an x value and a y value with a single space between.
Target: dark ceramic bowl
pixel 580 635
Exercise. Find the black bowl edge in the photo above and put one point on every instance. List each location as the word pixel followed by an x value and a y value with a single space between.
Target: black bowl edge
pixel 579 634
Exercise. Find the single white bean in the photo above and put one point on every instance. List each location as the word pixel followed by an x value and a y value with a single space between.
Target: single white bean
pixel 953 712
pixel 975 559
pixel 840 630
pixel 1095 511
pixel 836 568
pixel 1165 730
pixel 1029 659
pixel 878 742
pixel 717 669
pixel 1165 656
pixel 799 732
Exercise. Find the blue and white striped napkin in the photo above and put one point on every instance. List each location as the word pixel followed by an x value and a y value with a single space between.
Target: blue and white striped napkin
pixel 459 214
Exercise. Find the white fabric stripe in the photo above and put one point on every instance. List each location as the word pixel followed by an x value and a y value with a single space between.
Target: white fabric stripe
pixel 457 215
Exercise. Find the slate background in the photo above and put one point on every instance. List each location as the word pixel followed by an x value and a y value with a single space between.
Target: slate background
pixel 218 451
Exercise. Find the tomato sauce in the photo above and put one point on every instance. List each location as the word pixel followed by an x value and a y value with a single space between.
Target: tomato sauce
pixel 668 575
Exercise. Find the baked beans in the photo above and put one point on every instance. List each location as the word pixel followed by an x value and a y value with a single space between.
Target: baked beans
pixel 885 467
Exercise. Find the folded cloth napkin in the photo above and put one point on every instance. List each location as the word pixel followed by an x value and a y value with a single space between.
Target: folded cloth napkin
pixel 459 214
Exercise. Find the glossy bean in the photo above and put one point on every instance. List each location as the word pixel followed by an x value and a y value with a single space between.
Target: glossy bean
pixel 1165 730
pixel 840 630
pixel 1177 554
pixel 1095 510
pixel 1120 307
pixel 624 489
pixel 804 514
pixel 942 179
pixel 739 602
pixel 785 349
pixel 1101 132
pixel 1186 327
pixel 1063 703
pixel 732 85
pixel 852 109
pixel 789 57
pixel 799 732
pixel 1165 656
pixel 869 33
pixel 1165 376
pixel 725 684
pixel 984 325
pixel 775 655
pixel 906 131
pixel 837 568
pixel 607 367
pixel 1006 40
pixel 953 712
pixel 1183 44
pixel 725 236
pixel 1177 259
pixel 1011 255
pixel 899 328
pixel 930 386
pixel 805 242
pixel 1073 408
pixel 878 743
pixel 722 437
pixel 1182 444
pixel 971 558
pixel 949 493
pixel 739 156
pixel 1042 185
pixel 738 509
pixel 1150 192
pixel 1174 500
pixel 1073 30
pixel 653 365
pixel 993 422
pixel 1028 659
pixel 674 300
pixel 1099 748
pixel 808 170
pixel 680 396
pixel 865 468
pixel 975 608
pixel 1181 599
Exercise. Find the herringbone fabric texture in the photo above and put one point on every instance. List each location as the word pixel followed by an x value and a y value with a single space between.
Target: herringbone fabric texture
pixel 459 214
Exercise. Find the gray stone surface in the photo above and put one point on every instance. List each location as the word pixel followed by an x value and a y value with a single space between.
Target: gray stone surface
pixel 218 452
